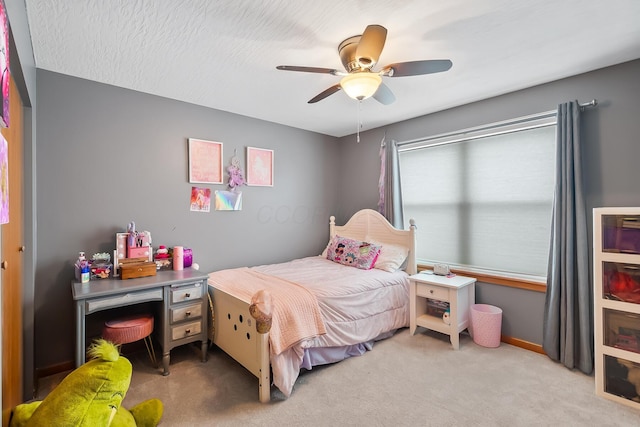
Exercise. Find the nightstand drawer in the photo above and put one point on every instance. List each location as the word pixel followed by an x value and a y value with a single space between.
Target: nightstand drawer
pixel 186 294
pixel 187 312
pixel 186 330
pixel 430 291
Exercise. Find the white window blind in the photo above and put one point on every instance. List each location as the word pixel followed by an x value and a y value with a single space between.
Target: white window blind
pixel 483 199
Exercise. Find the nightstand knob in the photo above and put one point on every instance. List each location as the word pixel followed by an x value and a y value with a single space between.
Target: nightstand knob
pixel 431 290
pixel 187 331
pixel 187 295
pixel 188 313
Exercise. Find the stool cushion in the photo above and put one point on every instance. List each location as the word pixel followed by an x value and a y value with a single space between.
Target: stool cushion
pixel 128 329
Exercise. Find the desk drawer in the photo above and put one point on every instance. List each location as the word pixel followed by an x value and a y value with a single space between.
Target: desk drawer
pixel 192 311
pixel 186 330
pixel 431 291
pixel 186 293
pixel 123 299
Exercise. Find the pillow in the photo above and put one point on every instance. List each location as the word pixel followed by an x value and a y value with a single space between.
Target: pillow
pixel 354 253
pixel 391 258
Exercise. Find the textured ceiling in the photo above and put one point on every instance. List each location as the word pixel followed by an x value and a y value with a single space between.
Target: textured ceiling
pixel 223 53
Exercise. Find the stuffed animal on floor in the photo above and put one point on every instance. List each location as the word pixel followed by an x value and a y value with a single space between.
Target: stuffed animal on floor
pixel 91 396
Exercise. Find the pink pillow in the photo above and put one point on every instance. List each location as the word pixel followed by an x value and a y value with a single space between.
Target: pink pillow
pixel 353 253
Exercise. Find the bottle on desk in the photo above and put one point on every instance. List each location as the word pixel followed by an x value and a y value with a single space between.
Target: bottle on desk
pixel 82 269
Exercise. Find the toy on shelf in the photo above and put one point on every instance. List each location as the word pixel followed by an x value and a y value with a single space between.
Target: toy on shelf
pixel 622 286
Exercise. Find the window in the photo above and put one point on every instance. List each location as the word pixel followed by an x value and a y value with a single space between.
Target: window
pixel 482 198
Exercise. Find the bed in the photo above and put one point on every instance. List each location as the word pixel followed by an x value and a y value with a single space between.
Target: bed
pixel 326 308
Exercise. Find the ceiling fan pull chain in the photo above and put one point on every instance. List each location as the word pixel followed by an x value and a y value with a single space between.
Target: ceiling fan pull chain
pixel 359 120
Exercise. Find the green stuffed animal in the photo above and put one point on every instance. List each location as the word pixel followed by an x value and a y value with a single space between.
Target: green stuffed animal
pixel 91 396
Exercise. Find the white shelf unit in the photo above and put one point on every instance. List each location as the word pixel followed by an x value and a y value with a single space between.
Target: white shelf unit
pixel 616 279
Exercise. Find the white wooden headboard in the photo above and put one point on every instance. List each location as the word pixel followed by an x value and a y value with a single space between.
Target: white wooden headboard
pixel 368 224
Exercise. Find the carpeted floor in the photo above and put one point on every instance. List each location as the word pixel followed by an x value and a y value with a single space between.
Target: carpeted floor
pixel 405 381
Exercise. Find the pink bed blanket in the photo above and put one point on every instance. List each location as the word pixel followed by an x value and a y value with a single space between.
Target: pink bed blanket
pixel 296 314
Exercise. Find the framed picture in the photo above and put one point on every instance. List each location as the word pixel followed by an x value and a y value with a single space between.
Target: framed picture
pixel 205 161
pixel 4 180
pixel 4 65
pixel 259 167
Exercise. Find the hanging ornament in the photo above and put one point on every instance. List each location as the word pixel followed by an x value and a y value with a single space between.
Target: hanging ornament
pixel 236 177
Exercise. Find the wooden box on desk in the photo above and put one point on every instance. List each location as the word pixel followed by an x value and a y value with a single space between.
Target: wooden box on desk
pixel 132 270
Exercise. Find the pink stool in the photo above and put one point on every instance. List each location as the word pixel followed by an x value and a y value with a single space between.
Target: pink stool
pixel 130 329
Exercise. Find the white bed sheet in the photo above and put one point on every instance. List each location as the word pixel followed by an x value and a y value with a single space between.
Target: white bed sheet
pixel 356 305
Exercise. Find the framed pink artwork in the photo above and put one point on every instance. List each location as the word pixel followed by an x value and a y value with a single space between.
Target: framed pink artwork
pixel 4 65
pixel 4 180
pixel 259 167
pixel 205 161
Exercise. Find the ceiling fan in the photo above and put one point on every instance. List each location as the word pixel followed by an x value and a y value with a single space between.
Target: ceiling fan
pixel 359 54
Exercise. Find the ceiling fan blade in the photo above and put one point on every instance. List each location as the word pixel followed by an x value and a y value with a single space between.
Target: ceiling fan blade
pixel 384 95
pixel 308 69
pixel 322 95
pixel 416 68
pixel 370 45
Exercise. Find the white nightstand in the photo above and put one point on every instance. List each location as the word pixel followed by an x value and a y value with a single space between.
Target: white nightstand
pixel 458 291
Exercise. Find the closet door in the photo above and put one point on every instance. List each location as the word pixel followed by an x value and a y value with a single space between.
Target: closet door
pixel 12 258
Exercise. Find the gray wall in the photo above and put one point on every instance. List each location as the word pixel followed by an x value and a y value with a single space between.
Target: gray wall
pixel 610 157
pixel 108 155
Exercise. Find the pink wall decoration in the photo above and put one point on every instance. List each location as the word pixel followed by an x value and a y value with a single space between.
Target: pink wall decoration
pixel 205 161
pixel 4 180
pixel 259 167
pixel 200 199
pixel 4 65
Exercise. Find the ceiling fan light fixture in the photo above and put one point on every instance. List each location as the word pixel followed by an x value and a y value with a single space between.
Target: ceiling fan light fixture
pixel 361 85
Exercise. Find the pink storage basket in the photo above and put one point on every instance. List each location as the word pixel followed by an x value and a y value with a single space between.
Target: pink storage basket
pixel 486 325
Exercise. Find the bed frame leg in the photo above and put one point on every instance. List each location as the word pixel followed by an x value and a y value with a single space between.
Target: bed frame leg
pixel 264 378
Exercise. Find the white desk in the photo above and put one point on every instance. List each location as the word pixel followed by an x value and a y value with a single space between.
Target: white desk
pixel 183 317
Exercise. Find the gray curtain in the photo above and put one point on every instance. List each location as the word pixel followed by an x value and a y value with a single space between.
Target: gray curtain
pixel 390 203
pixel 568 324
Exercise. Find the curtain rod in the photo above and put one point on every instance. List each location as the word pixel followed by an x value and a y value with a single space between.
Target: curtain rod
pixel 545 114
pixel 592 103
